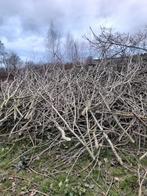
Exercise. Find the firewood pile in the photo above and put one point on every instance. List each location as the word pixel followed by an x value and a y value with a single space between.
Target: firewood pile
pixel 87 109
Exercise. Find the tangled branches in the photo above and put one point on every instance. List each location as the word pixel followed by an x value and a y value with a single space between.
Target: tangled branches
pixel 91 109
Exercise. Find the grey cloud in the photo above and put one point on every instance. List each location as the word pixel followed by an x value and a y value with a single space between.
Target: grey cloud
pixel 21 19
pixel 37 14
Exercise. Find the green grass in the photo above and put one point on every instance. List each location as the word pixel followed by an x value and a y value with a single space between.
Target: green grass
pixel 105 176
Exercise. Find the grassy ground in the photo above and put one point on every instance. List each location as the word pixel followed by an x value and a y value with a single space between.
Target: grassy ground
pixel 48 175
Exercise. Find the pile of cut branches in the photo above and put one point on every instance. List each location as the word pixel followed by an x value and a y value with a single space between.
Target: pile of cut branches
pixel 88 109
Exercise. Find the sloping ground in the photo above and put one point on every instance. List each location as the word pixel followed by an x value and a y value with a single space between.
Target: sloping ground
pixel 91 120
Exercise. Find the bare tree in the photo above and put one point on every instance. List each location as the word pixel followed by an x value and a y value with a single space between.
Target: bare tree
pixel 3 54
pixel 111 44
pixel 72 49
pixel 12 62
pixel 54 43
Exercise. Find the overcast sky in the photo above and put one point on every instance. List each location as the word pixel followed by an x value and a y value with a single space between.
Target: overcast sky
pixel 24 23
